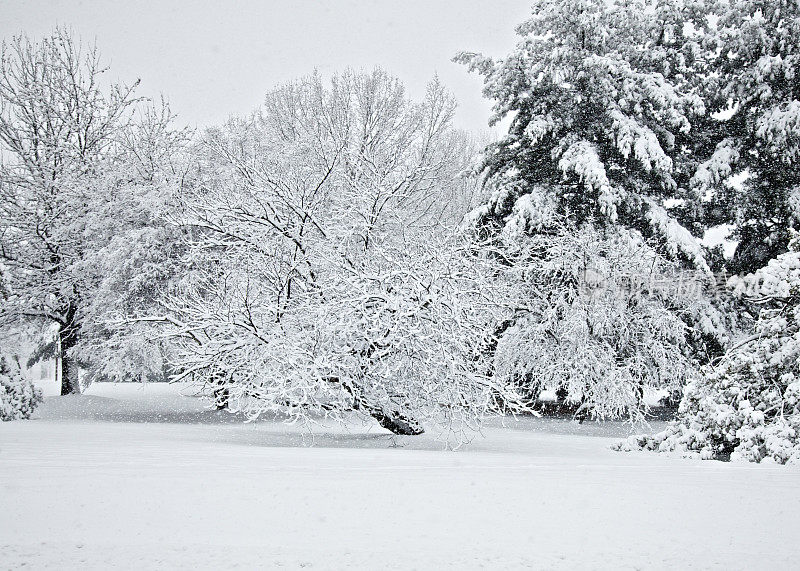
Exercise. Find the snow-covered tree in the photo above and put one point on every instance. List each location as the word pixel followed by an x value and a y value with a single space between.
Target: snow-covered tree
pixel 57 122
pixel 597 321
pixel 601 113
pixel 325 273
pixel 747 407
pixel 135 248
pixel 18 396
pixel 599 149
pixel 755 95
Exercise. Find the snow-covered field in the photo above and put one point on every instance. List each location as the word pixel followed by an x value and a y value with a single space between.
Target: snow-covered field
pixel 137 477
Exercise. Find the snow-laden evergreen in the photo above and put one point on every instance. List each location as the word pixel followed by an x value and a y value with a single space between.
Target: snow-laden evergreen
pixel 751 88
pixel 601 114
pixel 601 140
pixel 747 407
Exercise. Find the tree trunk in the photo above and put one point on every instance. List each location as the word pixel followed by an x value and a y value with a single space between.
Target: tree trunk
pixel 390 417
pixel 67 339
pixel 396 421
pixel 221 393
pixel 221 397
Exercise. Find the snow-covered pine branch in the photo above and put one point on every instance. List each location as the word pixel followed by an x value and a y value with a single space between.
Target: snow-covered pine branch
pixel 747 407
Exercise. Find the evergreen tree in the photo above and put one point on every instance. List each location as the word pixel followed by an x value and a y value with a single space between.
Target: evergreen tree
pixel 755 94
pixel 18 396
pixel 601 115
pixel 747 406
pixel 602 101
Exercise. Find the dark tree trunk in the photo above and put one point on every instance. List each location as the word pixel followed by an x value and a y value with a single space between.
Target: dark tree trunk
pixel 221 392
pixel 396 421
pixel 390 417
pixel 67 339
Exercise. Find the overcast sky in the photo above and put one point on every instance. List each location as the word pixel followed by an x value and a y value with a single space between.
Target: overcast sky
pixel 215 59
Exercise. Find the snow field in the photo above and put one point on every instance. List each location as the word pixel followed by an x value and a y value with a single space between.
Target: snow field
pixel 131 477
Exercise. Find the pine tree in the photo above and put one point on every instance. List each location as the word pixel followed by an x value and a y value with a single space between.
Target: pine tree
pixel 602 105
pixel 755 95
pixel 747 407
pixel 18 396
pixel 601 115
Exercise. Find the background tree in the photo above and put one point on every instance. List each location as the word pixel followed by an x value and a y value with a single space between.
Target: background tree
pixel 56 125
pixel 134 247
pixel 596 324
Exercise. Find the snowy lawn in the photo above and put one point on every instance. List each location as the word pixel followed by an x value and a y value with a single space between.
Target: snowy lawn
pixel 142 477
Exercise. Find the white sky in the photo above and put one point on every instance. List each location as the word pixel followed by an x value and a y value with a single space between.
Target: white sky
pixel 212 59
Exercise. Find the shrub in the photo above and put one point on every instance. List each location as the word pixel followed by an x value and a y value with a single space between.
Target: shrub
pixel 18 396
pixel 748 405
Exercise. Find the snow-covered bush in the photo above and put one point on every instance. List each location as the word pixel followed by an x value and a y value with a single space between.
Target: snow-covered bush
pixel 18 396
pixel 748 405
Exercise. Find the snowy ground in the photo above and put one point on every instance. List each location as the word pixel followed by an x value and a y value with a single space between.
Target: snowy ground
pixel 144 478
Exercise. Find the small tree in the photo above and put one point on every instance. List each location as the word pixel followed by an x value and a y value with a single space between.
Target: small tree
pixel 56 125
pixel 18 396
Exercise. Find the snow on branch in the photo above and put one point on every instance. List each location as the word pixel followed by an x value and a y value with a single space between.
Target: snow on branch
pixel 581 158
